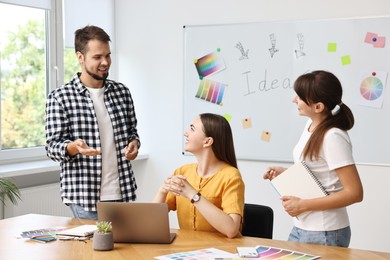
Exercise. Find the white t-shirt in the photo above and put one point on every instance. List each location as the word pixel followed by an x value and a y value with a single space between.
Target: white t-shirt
pixel 336 152
pixel 109 188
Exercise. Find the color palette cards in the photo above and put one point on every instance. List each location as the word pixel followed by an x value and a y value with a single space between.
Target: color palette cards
pixel 40 232
pixel 266 252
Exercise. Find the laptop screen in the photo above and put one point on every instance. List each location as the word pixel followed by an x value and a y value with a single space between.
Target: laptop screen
pixel 137 222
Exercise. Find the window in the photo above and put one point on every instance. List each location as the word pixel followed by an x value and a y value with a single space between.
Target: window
pixel 32 58
pixel 29 68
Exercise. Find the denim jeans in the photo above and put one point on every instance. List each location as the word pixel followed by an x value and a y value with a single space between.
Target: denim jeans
pixel 340 237
pixel 80 212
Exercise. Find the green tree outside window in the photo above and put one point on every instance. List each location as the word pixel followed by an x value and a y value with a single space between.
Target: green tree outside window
pixel 23 85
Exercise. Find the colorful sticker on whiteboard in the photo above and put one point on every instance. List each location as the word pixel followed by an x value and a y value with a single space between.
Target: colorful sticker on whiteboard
pixel 211 91
pixel 346 60
pixel 228 117
pixel 332 47
pixel 371 88
pixel 209 64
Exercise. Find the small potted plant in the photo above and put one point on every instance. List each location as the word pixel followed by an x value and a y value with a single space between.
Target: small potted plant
pixel 103 239
pixel 9 190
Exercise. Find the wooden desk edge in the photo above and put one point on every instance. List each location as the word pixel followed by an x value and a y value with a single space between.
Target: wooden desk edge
pixel 186 240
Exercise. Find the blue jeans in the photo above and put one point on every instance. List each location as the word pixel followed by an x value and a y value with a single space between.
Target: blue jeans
pixel 340 237
pixel 80 212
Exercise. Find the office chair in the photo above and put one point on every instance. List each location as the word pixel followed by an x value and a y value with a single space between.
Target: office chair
pixel 258 221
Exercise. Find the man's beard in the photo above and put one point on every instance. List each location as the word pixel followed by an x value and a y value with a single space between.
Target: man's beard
pixel 93 75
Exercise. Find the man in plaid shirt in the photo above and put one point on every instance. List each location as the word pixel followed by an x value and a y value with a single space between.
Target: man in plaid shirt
pixel 91 130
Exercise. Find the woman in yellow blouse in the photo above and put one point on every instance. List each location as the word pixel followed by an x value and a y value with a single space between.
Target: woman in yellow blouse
pixel 208 195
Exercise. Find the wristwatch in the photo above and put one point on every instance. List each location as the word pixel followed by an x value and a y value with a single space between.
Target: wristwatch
pixel 196 198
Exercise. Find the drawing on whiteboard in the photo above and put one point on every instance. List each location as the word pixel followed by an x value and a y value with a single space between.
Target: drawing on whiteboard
pixel 299 53
pixel 273 49
pixel 244 53
pixel 266 84
pixel 211 91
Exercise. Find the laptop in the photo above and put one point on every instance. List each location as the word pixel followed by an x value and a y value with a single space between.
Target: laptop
pixel 137 222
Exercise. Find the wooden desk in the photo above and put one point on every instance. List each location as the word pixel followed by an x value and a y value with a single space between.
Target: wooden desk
pixel 186 240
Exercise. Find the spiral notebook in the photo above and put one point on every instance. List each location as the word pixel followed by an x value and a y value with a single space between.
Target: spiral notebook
pixel 299 181
pixel 79 231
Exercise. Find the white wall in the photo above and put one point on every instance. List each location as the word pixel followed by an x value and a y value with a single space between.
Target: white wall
pixel 149 35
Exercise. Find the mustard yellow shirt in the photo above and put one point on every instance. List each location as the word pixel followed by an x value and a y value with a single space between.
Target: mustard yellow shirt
pixel 225 189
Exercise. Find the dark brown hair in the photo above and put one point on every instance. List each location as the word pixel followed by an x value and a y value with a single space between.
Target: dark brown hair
pixel 89 32
pixel 218 128
pixel 322 86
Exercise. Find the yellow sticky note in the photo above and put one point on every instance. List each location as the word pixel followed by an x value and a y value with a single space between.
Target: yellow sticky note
pixel 246 123
pixel 228 117
pixel 346 60
pixel 332 47
pixel 265 136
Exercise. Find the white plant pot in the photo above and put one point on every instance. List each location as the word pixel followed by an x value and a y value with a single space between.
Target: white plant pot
pixel 103 241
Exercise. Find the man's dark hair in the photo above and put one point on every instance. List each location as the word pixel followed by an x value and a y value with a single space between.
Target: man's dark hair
pixel 89 32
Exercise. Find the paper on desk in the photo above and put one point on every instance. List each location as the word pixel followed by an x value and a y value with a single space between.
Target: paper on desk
pixel 207 253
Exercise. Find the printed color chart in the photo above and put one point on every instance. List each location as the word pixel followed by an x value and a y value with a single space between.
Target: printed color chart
pixel 209 64
pixel 371 88
pixel 211 91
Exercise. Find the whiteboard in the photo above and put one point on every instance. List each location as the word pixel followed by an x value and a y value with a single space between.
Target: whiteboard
pixel 246 73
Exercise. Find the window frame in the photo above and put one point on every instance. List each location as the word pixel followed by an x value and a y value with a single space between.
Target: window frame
pixel 54 69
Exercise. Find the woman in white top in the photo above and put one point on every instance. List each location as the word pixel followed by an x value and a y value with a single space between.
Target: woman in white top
pixel 327 150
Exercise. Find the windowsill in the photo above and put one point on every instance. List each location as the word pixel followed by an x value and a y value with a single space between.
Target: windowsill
pixel 35 167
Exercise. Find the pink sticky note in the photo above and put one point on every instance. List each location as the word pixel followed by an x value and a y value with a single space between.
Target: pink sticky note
pixel 370 37
pixel 380 42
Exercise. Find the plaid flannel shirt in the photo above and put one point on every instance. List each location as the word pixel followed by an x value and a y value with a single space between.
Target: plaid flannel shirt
pixel 70 115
